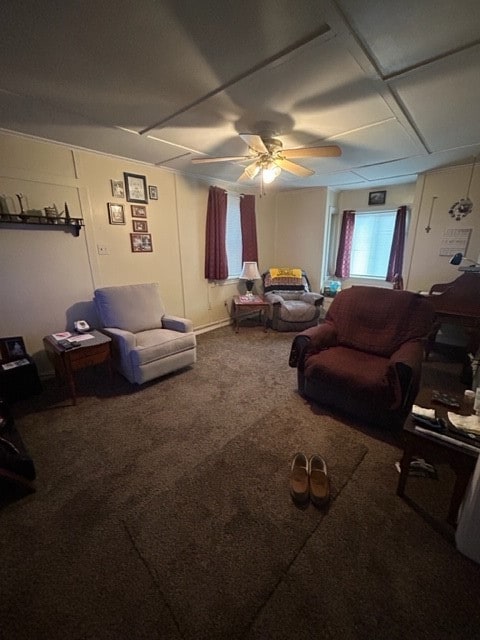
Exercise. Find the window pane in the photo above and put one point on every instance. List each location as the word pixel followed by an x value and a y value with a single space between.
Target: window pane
pixel 372 242
pixel 233 240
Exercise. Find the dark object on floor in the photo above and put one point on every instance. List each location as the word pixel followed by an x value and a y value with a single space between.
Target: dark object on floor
pixel 20 381
pixel 419 467
pixel 16 466
pixel 366 358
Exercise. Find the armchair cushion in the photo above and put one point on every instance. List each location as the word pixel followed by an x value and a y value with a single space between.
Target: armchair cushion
pixel 131 307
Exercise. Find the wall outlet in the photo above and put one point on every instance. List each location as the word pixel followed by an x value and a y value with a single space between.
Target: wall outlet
pixel 102 249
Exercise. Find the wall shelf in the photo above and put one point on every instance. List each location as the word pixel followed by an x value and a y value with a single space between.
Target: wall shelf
pixel 69 225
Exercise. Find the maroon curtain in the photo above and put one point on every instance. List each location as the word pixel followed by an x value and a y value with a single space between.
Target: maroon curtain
pixel 249 229
pixel 395 263
pixel 216 266
pixel 342 269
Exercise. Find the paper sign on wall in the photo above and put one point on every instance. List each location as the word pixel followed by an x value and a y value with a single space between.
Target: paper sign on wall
pixel 454 241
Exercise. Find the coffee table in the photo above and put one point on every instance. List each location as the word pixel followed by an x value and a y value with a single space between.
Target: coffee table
pixel 96 350
pixel 460 453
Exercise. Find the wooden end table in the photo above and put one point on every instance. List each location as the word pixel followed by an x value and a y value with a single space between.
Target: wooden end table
pixel 245 306
pixel 96 350
pixel 460 453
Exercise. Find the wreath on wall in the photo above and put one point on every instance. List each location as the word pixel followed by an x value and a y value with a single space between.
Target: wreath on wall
pixel 460 209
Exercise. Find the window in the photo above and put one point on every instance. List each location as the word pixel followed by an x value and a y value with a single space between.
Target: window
pixel 233 240
pixel 371 245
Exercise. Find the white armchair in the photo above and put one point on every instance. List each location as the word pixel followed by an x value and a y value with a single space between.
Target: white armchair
pixel 147 343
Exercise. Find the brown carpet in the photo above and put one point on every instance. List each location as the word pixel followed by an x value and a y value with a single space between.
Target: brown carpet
pixel 221 540
pixel 163 512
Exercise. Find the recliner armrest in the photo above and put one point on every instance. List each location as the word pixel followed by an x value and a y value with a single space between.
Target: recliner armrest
pixel 176 323
pixel 273 298
pixel 406 366
pixel 313 339
pixel 409 353
pixel 313 298
pixel 126 337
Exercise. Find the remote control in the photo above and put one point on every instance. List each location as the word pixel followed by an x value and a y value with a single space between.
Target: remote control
pixel 436 424
pixel 66 344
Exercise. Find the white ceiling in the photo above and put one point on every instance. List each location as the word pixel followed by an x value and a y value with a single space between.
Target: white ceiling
pixel 395 84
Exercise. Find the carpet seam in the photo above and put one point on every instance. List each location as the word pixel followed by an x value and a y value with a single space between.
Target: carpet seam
pixel 307 539
pixel 154 578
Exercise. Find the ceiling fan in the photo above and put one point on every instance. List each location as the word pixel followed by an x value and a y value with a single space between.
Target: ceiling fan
pixel 269 158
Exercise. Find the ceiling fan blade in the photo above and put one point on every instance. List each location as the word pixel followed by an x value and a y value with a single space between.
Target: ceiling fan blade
pixel 222 159
pixel 293 167
pixel 250 172
pixel 254 142
pixel 331 151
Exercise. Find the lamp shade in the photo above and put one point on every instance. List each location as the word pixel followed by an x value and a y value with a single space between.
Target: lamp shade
pixel 250 271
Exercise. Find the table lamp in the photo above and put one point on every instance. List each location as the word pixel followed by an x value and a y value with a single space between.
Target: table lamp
pixel 250 273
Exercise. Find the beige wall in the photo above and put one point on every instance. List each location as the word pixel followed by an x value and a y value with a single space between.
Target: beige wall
pixel 48 276
pixel 436 193
pixel 300 231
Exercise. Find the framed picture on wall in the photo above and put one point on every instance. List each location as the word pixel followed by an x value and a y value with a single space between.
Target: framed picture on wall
pixel 141 242
pixel 116 213
pixel 152 192
pixel 136 187
pixel 377 197
pixel 138 211
pixel 140 226
pixel 117 189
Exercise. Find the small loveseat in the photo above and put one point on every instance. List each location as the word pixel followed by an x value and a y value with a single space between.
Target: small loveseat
pixel 365 360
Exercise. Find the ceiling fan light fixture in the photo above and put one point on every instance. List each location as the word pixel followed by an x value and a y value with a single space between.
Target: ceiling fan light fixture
pixel 270 172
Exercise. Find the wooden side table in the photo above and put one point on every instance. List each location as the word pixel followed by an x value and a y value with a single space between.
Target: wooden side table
pixel 245 306
pixel 460 455
pixel 96 350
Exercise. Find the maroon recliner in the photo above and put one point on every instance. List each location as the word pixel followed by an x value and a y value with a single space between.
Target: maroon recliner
pixel 365 359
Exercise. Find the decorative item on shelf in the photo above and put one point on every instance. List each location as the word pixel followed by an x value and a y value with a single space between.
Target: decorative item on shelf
pixel 67 213
pixel 53 213
pixel 249 274
pixel 458 259
pixel 464 206
pixel 22 214
pixel 4 206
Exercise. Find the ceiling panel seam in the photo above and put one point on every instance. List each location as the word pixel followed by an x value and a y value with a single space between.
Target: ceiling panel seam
pixel 321 31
